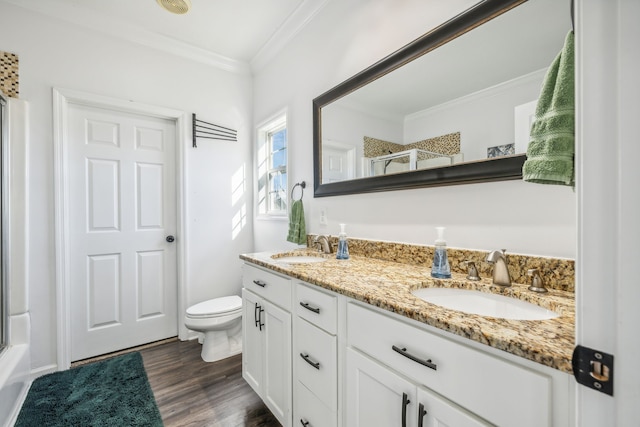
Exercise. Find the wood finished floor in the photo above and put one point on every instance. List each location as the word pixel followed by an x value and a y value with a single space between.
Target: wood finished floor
pixel 191 392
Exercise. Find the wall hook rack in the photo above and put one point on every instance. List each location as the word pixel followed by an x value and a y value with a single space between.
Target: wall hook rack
pixel 202 129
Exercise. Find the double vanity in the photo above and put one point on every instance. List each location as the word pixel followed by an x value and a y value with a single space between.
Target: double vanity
pixel 370 340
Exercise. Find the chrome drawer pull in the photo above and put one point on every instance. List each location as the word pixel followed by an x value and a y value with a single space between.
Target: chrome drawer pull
pixel 403 351
pixel 260 283
pixel 306 359
pixel 308 307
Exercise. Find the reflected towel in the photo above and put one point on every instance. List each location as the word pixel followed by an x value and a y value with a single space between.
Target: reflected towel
pixel 297 231
pixel 550 154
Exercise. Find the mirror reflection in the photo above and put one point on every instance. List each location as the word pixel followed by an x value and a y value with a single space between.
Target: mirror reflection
pixel 469 100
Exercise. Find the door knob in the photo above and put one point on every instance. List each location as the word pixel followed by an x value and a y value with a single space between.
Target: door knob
pixel 170 239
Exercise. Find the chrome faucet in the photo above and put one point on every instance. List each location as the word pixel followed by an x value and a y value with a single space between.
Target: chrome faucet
pixel 501 275
pixel 322 242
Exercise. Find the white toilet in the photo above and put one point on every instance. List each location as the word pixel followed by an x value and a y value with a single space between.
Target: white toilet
pixel 220 320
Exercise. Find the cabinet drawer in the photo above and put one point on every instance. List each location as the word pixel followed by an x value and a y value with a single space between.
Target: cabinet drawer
pixel 276 289
pixel 316 362
pixel 317 307
pixel 493 388
pixel 309 409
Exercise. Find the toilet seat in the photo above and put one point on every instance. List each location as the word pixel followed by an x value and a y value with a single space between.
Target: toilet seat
pixel 216 307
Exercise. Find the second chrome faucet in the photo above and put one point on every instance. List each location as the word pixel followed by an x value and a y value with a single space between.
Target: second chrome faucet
pixel 501 275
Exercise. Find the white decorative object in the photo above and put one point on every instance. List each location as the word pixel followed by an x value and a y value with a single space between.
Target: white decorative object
pixel 523 117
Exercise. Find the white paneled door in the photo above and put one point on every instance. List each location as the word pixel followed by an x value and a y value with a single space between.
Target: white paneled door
pixel 338 162
pixel 121 210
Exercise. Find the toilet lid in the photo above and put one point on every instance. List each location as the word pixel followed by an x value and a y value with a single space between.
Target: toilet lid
pixel 216 306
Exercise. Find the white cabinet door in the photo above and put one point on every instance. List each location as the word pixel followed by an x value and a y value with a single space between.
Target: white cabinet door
pixel 252 348
pixel 277 358
pixel 266 353
pixel 377 396
pixel 435 411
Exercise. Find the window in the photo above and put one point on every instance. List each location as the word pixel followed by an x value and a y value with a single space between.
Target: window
pixel 273 198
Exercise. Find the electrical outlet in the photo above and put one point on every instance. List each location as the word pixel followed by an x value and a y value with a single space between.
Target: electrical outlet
pixel 323 217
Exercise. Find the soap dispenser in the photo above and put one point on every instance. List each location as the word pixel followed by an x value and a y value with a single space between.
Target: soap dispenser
pixel 440 269
pixel 343 245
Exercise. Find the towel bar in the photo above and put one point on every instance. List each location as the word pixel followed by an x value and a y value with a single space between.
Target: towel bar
pixel 302 186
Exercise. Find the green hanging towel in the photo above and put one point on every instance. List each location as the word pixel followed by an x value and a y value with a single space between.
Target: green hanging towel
pixel 550 154
pixel 297 230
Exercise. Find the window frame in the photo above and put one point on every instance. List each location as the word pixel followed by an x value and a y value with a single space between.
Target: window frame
pixel 264 170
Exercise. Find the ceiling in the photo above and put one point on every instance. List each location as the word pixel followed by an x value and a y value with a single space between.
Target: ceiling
pixel 234 34
pixel 507 47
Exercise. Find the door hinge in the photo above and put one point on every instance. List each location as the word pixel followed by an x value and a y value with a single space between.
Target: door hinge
pixel 593 368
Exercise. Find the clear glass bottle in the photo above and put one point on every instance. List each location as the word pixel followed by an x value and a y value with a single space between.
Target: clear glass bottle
pixel 343 244
pixel 441 268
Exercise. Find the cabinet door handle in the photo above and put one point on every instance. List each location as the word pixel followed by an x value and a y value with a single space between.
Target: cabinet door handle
pixel 303 422
pixel 421 414
pixel 309 361
pixel 260 324
pixel 310 308
pixel 260 283
pixel 405 403
pixel 403 351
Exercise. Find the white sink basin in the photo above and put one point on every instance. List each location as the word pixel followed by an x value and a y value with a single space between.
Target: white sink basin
pixel 303 259
pixel 484 304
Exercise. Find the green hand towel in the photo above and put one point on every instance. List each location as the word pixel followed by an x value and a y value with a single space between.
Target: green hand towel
pixel 550 155
pixel 297 231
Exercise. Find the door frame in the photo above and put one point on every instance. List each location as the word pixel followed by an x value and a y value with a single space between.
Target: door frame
pixel 608 203
pixel 62 98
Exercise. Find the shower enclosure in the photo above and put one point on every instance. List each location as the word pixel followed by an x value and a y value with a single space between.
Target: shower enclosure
pixel 4 307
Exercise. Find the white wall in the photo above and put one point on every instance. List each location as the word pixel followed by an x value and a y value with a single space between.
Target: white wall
pixel 58 54
pixel 343 39
pixel 488 117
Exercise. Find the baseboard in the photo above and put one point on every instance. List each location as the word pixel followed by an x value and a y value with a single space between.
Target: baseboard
pixel 13 417
pixel 43 370
pixel 14 381
pixel 192 335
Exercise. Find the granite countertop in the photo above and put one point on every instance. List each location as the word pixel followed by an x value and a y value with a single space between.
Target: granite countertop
pixel 388 285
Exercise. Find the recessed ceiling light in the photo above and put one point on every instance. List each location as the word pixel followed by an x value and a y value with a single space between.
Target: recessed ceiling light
pixel 175 6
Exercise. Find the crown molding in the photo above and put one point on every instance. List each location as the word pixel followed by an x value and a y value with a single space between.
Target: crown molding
pixel 95 22
pixel 287 31
pixel 132 34
pixel 483 93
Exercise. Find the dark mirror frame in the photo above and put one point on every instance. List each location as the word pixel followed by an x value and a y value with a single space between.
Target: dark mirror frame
pixel 499 169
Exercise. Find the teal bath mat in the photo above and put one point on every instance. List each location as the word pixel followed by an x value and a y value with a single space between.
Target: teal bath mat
pixel 114 392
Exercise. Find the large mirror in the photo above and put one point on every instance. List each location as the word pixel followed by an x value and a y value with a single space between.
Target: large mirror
pixel 452 107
